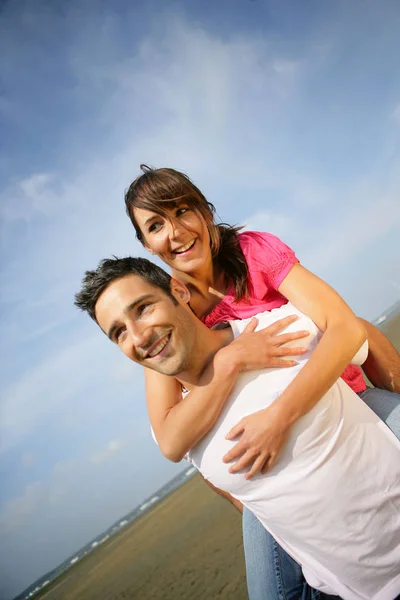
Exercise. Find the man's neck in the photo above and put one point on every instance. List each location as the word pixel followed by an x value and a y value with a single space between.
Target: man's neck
pixel 208 343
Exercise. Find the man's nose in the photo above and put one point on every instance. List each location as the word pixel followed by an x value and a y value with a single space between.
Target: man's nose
pixel 138 334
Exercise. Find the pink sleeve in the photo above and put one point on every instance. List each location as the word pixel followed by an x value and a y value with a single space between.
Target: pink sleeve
pixel 267 254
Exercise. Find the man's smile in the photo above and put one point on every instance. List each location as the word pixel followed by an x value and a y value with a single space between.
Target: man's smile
pixel 157 349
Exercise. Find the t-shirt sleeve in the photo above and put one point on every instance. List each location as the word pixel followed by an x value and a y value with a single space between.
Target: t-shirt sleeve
pixel 267 254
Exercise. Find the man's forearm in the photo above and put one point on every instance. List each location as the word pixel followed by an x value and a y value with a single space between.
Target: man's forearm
pixel 382 366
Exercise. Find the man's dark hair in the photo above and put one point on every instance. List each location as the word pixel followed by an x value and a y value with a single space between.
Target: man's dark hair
pixel 110 269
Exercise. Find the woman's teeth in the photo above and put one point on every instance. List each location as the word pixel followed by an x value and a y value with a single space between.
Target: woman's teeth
pixel 185 248
pixel 159 347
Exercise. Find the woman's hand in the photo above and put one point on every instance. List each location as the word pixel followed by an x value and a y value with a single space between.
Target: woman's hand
pixel 262 435
pixel 253 350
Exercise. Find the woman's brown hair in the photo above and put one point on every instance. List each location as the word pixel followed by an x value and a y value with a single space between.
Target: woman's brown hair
pixel 157 189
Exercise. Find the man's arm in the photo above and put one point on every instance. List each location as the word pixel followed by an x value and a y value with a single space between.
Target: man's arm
pixel 227 496
pixel 382 366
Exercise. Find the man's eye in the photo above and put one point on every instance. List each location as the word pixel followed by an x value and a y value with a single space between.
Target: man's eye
pixel 120 335
pixel 142 308
pixel 154 227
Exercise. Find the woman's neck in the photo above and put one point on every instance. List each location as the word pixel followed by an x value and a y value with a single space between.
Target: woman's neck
pixel 206 290
pixel 209 278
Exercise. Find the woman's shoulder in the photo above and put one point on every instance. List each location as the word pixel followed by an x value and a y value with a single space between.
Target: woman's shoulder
pixel 258 237
pixel 263 248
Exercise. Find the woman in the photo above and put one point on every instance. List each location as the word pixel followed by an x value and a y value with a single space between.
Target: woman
pixel 232 275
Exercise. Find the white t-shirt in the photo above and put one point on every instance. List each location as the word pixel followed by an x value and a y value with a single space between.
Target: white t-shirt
pixel 332 500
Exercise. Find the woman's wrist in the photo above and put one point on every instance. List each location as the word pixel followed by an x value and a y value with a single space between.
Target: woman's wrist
pixel 289 412
pixel 228 361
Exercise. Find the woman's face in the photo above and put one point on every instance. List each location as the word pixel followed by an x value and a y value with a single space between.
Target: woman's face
pixel 180 239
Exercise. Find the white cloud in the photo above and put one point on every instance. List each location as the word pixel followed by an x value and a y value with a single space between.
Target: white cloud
pixel 112 448
pixel 279 224
pixel 17 510
pixel 26 198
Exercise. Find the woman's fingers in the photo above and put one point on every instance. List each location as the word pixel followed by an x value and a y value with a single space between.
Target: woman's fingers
pixel 288 350
pixel 251 326
pixel 285 338
pixel 235 431
pixel 257 466
pixel 282 363
pixel 237 450
pixel 260 463
pixel 269 463
pixel 276 327
pixel 247 458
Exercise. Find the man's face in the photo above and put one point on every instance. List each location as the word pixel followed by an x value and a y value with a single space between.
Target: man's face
pixel 147 325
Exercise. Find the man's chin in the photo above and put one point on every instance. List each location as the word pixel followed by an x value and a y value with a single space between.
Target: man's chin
pixel 163 367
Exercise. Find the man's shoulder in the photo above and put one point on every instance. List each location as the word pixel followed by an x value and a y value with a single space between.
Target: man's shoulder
pixel 265 318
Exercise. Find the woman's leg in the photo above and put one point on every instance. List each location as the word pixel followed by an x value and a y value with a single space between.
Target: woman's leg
pixel 386 405
pixel 271 573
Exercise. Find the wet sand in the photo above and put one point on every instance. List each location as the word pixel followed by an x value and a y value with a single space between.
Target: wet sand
pixel 187 547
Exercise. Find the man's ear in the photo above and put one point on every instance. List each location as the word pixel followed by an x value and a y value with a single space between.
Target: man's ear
pixel 180 291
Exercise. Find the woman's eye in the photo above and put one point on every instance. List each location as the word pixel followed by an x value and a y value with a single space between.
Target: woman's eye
pixel 181 211
pixel 154 227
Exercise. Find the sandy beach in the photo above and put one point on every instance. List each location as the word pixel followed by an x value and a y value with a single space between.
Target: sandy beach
pixel 189 546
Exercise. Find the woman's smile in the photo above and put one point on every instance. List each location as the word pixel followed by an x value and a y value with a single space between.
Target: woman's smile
pixel 184 250
pixel 179 237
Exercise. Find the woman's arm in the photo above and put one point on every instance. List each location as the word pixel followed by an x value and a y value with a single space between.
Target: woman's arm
pixel 263 433
pixel 382 366
pixel 178 424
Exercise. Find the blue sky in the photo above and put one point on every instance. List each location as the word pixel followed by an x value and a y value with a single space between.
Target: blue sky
pixel 287 116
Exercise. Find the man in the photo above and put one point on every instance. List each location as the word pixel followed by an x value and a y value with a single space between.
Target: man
pixel 329 502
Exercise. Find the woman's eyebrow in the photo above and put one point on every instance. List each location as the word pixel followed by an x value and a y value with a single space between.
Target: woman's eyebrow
pixel 150 219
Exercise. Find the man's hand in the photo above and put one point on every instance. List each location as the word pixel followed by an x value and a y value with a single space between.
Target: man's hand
pixel 262 435
pixel 264 349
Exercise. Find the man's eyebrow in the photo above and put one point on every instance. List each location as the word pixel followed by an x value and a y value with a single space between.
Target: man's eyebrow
pixel 127 310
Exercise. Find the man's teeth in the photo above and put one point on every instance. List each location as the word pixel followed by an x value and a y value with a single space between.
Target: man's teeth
pixel 184 248
pixel 159 347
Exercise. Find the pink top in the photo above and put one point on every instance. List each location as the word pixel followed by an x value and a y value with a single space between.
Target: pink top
pixel 269 260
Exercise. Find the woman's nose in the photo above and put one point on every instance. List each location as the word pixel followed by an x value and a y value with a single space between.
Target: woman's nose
pixel 176 227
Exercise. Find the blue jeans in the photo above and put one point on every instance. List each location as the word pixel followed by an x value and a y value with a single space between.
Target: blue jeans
pixel 271 573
